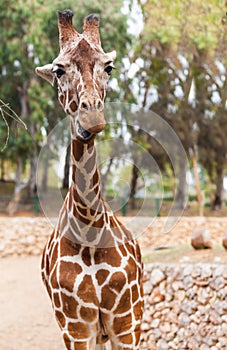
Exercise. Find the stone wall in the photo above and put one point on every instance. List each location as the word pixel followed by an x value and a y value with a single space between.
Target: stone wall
pixel 185 307
pixel 28 235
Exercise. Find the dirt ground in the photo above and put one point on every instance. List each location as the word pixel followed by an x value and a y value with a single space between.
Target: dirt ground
pixel 26 321
pixel 26 317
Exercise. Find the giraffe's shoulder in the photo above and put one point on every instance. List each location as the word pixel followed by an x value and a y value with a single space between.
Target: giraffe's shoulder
pixel 68 247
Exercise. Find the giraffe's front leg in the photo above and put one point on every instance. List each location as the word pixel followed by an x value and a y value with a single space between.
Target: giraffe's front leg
pixel 124 321
pixel 72 345
pixel 72 342
pixel 124 329
pixel 78 324
pixel 128 341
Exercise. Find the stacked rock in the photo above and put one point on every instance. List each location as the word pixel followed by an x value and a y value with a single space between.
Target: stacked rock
pixel 224 240
pixel 201 239
pixel 185 307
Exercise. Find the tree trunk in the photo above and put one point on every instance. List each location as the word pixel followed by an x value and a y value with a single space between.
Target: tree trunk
pixel 197 182
pixel 2 170
pixel 181 188
pixel 18 173
pixel 65 182
pixel 135 175
pixel 45 175
pixel 218 199
pixel 12 207
pixel 30 188
pixel 33 171
pixel 105 176
pixel 26 112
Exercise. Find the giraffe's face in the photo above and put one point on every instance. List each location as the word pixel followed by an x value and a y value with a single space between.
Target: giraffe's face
pixel 82 74
pixel 82 71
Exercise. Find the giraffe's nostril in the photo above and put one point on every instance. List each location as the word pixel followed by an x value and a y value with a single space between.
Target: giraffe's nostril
pixel 84 106
pixel 100 106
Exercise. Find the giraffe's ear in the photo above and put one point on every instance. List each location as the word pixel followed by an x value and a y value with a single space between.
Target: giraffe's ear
pixel 112 55
pixel 46 73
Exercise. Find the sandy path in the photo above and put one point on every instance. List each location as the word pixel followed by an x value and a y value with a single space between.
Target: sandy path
pixel 26 318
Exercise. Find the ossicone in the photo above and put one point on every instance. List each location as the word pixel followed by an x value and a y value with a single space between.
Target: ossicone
pixel 65 27
pixel 91 28
pixel 92 20
pixel 65 16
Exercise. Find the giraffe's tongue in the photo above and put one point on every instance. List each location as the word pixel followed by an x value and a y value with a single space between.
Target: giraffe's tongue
pixel 84 133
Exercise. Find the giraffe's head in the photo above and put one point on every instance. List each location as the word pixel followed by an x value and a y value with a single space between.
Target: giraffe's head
pixel 81 70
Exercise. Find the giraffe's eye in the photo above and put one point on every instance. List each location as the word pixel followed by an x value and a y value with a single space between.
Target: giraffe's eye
pixel 59 72
pixel 109 69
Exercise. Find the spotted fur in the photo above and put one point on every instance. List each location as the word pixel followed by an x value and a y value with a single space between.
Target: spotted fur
pixel 91 265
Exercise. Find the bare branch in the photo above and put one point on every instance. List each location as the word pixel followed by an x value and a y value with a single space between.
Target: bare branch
pixel 6 110
pixel 7 126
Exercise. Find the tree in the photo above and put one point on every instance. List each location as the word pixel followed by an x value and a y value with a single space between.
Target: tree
pixel 213 126
pixel 20 30
pixel 29 36
pixel 173 47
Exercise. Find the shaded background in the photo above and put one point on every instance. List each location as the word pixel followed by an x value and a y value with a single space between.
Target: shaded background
pixel 171 60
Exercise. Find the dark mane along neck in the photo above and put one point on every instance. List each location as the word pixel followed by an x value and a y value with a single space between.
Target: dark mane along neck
pixel 85 187
pixel 83 213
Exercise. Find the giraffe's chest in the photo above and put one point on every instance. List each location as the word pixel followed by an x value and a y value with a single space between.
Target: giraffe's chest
pixel 96 265
pixel 93 275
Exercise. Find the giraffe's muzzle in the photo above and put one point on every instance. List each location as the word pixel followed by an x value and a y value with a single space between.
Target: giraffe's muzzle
pixel 92 121
pixel 91 117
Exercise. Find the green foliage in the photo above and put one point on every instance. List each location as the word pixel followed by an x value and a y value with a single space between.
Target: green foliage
pixel 184 24
pixel 29 37
pixel 192 30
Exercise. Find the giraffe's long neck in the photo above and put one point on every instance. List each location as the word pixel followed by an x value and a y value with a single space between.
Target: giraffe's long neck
pixel 84 214
pixel 85 217
pixel 85 190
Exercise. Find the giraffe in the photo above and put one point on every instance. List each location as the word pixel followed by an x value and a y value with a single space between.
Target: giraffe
pixel 91 264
